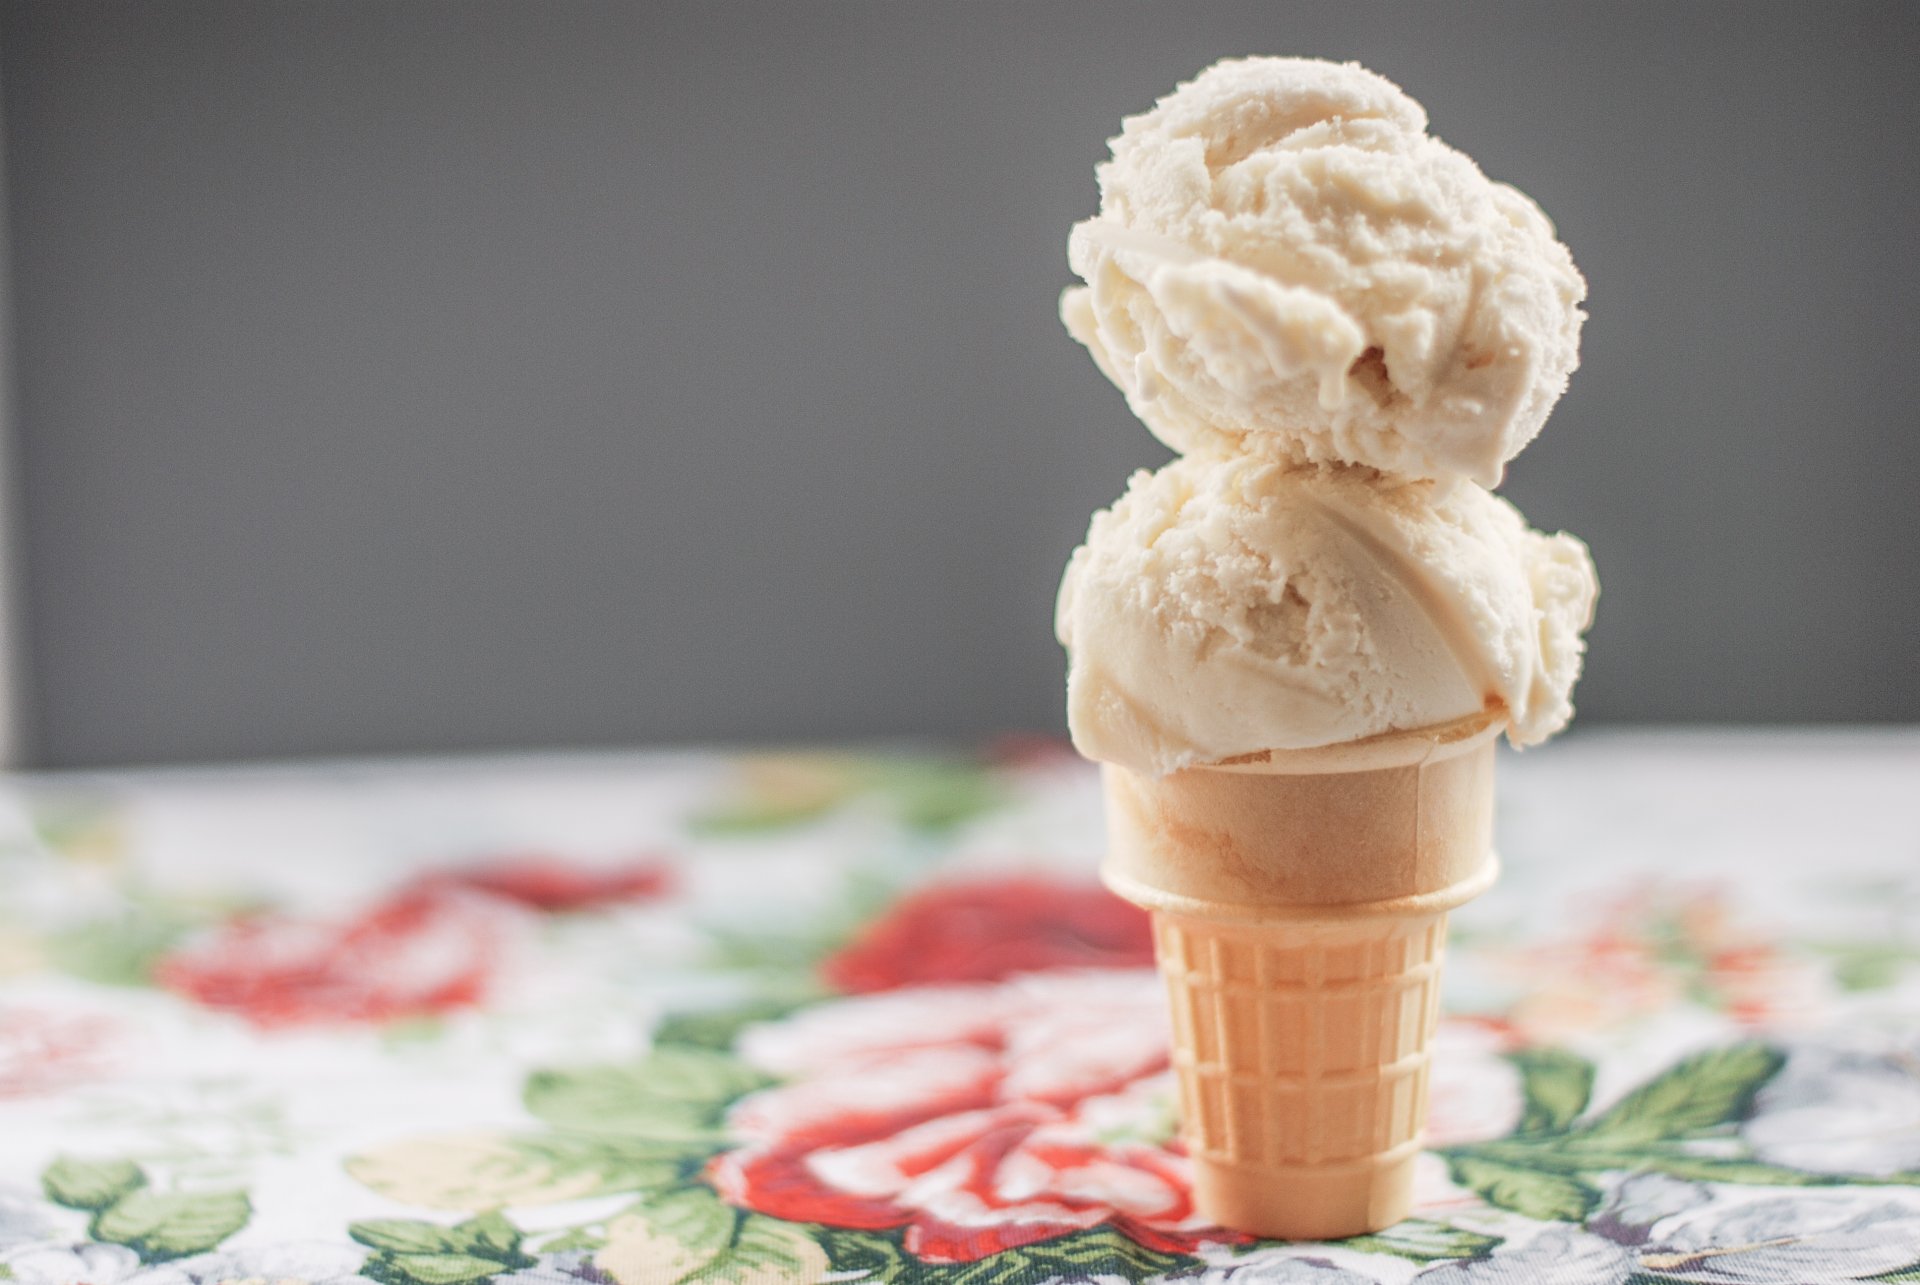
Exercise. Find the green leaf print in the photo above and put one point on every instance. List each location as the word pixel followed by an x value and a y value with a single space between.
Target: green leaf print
pixel 1096 1252
pixel 1544 1168
pixel 767 1249
pixel 411 1252
pixel 401 1235
pixel 159 1225
pixel 1703 1092
pixel 1099 1250
pixel 691 1235
pixel 778 793
pixel 1424 1241
pixel 880 1257
pixel 496 1171
pixel 438 1269
pixel 699 1075
pixel 1552 1197
pixel 716 1029
pixel 934 794
pixel 573 1238
pixel 1556 1084
pixel 116 952
pixel 694 1218
pixel 1749 1173
pixel 675 1092
pixel 1868 966
pixel 749 818
pixel 489 1234
pixel 90 1184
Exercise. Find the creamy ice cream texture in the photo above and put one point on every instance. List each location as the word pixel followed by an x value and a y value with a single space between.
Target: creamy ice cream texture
pixel 1350 329
pixel 1285 261
pixel 1225 606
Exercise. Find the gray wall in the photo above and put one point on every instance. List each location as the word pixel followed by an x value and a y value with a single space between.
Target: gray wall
pixel 400 375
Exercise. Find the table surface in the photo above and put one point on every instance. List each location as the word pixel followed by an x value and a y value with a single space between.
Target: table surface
pixel 761 1018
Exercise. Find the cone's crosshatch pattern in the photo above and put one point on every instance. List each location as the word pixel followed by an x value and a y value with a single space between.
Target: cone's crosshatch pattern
pixel 1303 1052
pixel 835 1018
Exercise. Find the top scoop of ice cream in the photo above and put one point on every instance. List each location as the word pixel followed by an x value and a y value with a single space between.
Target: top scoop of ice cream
pixel 1228 606
pixel 1285 261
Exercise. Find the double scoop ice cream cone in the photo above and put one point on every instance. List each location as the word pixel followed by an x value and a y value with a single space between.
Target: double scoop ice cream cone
pixel 1293 648
pixel 1299 905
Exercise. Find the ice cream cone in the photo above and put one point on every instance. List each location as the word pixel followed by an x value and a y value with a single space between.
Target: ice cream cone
pixel 1299 904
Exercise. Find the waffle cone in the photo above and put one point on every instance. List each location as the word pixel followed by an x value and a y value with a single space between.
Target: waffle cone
pixel 1299 904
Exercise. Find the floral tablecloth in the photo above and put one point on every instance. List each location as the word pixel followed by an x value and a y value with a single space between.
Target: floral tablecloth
pixel 650 1019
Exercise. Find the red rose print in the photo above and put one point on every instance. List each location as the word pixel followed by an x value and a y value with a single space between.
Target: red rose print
pixel 421 952
pixel 1645 953
pixel 1029 1103
pixel 542 882
pixel 977 1117
pixel 41 1052
pixel 982 1117
pixel 979 932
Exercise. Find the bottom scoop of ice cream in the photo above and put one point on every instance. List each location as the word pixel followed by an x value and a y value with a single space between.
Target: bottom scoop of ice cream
pixel 1228 606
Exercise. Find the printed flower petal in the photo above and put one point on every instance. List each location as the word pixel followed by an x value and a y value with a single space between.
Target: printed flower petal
pixel 988 1116
pixel 1562 1255
pixel 416 954
pixel 542 882
pixel 890 1093
pixel 990 930
pixel 1840 1111
pixel 1808 1236
pixel 43 1051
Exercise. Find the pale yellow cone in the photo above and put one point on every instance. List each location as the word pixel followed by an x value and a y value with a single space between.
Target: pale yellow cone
pixel 1299 905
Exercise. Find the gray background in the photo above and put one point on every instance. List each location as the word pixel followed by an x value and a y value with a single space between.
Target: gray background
pixel 399 375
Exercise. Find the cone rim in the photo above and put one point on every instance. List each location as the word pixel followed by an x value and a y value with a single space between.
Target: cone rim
pixel 1413 906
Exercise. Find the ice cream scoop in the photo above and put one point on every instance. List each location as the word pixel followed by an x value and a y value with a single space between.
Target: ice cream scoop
pixel 1228 606
pixel 1286 262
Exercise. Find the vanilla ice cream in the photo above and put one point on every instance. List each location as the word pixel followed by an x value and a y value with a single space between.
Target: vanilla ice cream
pixel 1347 330
pixel 1286 262
pixel 1226 606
